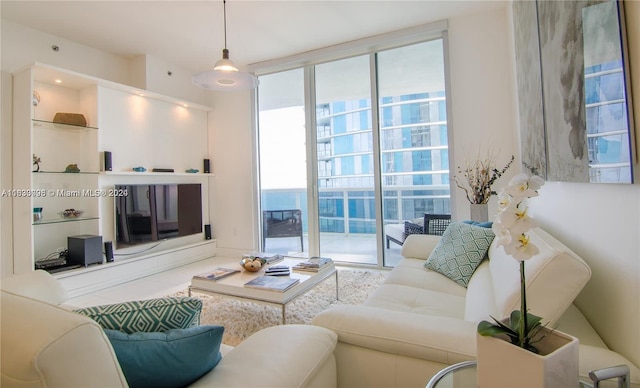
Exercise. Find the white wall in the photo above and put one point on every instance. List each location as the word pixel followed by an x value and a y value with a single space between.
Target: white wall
pixel 481 97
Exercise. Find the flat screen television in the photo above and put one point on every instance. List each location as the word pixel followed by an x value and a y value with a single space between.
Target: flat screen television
pixel 156 212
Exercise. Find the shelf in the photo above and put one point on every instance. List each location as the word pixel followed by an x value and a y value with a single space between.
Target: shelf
pixel 67 173
pixel 62 220
pixel 150 173
pixel 57 126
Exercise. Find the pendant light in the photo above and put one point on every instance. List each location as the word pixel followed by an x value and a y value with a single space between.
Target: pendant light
pixel 225 74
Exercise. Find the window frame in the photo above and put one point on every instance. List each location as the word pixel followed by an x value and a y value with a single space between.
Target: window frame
pixel 366 46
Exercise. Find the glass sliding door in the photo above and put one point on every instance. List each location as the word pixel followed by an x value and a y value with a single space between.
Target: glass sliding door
pixel 344 141
pixel 414 155
pixel 282 163
pixel 365 166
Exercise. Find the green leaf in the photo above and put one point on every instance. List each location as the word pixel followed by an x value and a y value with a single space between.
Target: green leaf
pixel 489 329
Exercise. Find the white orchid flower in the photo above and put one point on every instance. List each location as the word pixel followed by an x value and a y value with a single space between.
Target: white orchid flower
pixel 523 249
pixel 503 234
pixel 504 200
pixel 535 182
pixel 522 186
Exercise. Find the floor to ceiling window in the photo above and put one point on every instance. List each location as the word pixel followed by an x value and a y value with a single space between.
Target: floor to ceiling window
pixel 346 211
pixel 413 135
pixel 282 160
pixel 356 144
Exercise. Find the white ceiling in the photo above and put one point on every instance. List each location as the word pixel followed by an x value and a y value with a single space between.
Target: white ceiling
pixel 189 34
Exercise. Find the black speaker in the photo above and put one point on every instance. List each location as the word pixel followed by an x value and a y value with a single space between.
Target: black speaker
pixel 108 251
pixel 85 249
pixel 107 161
pixel 207 232
pixel 207 166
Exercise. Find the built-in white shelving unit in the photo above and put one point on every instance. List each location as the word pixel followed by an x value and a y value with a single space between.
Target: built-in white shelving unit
pixel 154 131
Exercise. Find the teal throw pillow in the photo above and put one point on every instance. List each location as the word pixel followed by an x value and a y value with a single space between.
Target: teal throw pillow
pixel 460 251
pixel 174 358
pixel 487 224
pixel 147 315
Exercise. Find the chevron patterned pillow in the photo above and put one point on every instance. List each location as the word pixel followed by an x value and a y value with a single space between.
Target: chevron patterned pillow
pixel 460 251
pixel 153 315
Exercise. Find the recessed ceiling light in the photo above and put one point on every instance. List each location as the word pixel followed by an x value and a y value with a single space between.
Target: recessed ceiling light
pixel 58 81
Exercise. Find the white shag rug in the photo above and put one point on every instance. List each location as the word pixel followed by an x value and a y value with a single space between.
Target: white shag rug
pixel 241 319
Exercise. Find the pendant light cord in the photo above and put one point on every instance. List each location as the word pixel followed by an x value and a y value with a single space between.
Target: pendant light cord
pixel 224 7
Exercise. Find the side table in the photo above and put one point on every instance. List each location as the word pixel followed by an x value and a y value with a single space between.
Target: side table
pixel 463 375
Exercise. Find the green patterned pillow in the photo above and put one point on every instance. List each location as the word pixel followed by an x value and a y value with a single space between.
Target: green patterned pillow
pixel 460 251
pixel 147 315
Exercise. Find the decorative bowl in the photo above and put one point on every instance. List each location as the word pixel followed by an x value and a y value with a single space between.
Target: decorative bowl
pixel 71 213
pixel 252 264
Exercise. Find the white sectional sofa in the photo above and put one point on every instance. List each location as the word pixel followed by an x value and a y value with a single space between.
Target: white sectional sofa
pixel 420 321
pixel 43 344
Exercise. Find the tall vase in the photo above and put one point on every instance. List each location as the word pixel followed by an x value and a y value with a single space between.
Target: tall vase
pixel 480 212
pixel 503 364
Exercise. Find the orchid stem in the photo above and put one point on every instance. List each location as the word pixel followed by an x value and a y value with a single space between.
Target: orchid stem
pixel 523 308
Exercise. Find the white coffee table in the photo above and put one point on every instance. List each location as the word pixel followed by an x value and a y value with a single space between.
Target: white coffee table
pixel 233 286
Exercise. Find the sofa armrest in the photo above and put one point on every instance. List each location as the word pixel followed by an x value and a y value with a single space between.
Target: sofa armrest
pixel 38 284
pixel 419 246
pixel 278 356
pixel 46 346
pixel 440 339
pixel 150 315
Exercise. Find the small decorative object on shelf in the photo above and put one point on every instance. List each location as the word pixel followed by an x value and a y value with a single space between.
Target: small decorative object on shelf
pixel 37 214
pixel 477 181
pixel 36 163
pixel 70 119
pixel 192 171
pixel 550 358
pixel 139 169
pixel 71 213
pixel 73 168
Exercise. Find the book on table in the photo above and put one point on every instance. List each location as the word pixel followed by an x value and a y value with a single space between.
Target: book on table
pixel 217 274
pixel 313 264
pixel 272 283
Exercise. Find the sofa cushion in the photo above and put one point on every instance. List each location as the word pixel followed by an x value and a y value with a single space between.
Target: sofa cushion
pixel 395 231
pixel 412 273
pixel 487 224
pixel 174 358
pixel 480 303
pixel 554 277
pixel 398 297
pixel 460 251
pixel 147 315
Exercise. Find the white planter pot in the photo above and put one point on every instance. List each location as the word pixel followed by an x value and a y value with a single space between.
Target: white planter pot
pixel 502 364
